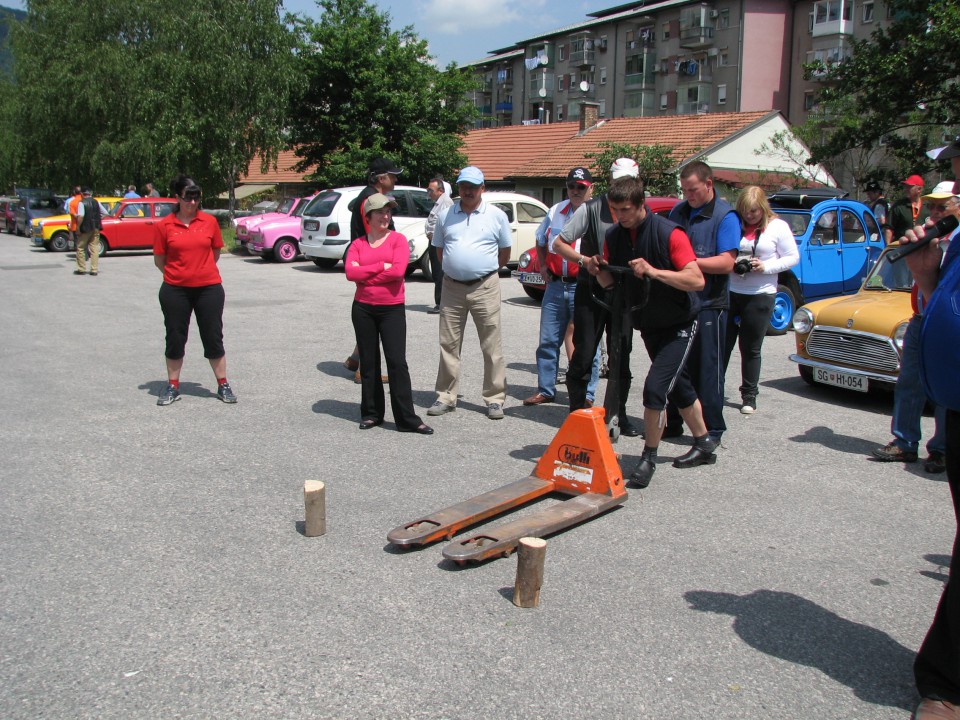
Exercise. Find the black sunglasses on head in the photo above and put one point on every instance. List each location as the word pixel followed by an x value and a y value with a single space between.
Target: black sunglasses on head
pixel 190 195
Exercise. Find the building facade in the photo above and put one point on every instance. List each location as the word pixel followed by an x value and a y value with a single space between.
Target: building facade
pixel 673 57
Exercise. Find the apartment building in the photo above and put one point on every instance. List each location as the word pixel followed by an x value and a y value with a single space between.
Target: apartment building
pixel 673 57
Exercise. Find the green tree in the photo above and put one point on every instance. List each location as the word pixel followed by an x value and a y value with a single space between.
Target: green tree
pixel 372 91
pixel 136 92
pixel 658 167
pixel 899 86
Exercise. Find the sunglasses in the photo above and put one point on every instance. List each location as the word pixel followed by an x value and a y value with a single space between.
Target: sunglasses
pixel 576 186
pixel 191 196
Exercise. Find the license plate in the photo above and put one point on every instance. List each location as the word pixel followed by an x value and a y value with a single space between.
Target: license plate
pixel 531 278
pixel 840 379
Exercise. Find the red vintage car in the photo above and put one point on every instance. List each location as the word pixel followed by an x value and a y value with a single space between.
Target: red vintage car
pixel 529 266
pixel 131 227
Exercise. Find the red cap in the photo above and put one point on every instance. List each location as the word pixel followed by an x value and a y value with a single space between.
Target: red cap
pixel 914 180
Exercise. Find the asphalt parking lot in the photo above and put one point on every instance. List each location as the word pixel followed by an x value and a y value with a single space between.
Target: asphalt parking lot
pixel 152 561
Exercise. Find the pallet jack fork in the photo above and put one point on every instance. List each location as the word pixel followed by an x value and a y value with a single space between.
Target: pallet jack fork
pixel 580 461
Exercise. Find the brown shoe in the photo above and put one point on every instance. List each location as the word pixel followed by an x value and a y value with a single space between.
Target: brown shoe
pixel 930 709
pixel 588 403
pixel 538 399
pixel 356 377
pixel 351 364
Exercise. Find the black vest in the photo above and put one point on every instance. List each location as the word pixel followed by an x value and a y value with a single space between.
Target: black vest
pixel 91 215
pixel 666 306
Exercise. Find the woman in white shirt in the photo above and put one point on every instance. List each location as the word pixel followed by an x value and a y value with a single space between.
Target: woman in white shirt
pixel 767 248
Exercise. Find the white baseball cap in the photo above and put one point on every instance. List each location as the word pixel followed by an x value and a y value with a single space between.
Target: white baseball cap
pixel 624 167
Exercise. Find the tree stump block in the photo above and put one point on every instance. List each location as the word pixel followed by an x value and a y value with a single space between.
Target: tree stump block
pixel 315 508
pixel 531 553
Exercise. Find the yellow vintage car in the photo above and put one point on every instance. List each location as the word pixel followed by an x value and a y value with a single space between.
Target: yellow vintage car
pixel 53 232
pixel 856 341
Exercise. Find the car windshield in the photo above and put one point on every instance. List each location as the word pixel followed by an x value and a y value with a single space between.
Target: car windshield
pixel 286 205
pixel 888 276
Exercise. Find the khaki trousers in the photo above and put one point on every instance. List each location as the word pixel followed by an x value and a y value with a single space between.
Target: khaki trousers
pixel 482 302
pixel 88 240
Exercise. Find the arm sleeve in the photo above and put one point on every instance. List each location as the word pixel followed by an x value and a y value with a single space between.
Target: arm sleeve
pixel 439 234
pixel 681 251
pixel 787 253
pixel 504 238
pixel 576 226
pixel 728 234
pixel 217 235
pixel 543 231
pixel 159 239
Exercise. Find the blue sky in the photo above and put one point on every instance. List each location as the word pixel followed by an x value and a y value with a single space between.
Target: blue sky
pixel 465 30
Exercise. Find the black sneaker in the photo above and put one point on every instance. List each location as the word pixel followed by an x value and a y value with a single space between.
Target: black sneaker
pixel 891 452
pixel 225 393
pixel 168 395
pixel 936 463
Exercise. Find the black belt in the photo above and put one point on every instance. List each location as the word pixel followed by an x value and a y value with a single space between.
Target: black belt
pixel 469 282
pixel 566 278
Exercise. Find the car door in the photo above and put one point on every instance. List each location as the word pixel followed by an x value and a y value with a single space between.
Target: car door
pixel 511 214
pixel 821 259
pixel 529 217
pixel 855 260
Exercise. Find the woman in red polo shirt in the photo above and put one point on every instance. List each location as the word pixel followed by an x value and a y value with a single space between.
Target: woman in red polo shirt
pixel 186 248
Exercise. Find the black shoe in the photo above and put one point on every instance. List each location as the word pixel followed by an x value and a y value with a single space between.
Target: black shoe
pixel 700 454
pixel 168 395
pixel 642 473
pixel 435 310
pixel 936 463
pixel 422 429
pixel 225 393
pixel 672 431
pixel 367 424
pixel 628 429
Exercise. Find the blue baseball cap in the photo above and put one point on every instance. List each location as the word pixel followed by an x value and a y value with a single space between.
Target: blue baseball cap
pixel 470 174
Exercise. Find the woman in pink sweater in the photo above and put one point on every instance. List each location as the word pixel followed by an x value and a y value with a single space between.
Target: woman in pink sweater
pixel 377 263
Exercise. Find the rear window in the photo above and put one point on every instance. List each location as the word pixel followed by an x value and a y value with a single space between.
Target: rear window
pixel 322 205
pixel 798 222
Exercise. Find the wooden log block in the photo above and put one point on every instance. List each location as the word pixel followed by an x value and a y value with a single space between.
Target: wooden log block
pixel 531 552
pixel 315 508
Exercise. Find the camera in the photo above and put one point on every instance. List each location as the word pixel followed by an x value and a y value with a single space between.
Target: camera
pixel 743 264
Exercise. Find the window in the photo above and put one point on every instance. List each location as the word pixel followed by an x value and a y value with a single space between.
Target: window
pixel 527 213
pixel 602 110
pixel 809 101
pixel 664 67
pixel 851 228
pixel 560 83
pixel 573 80
pixel 629 37
pixel 561 52
pixel 721 94
pixel 810 24
pixel 507 208
pixel 559 113
pixel 135 210
pixel 666 31
pixel 723 59
pixel 723 19
pixel 603 76
pixel 164 209
pixel 868 11
pixel 663 101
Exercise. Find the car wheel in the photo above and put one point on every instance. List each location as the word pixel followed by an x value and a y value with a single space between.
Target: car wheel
pixel 424 263
pixel 784 305
pixel 285 250
pixel 535 293
pixel 325 263
pixel 104 246
pixel 807 375
pixel 60 242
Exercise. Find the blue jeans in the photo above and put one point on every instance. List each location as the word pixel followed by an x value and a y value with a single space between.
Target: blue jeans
pixel 909 398
pixel 556 312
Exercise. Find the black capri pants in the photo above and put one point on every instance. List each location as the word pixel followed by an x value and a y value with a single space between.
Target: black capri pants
pixel 206 303
pixel 669 350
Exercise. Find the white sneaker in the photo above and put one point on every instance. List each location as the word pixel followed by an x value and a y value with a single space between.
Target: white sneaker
pixel 495 411
pixel 440 408
pixel 748 408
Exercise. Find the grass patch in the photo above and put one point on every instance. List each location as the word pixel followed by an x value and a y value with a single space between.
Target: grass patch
pixel 229 238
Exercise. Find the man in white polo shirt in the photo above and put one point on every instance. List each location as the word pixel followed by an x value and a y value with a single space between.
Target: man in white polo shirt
pixel 473 242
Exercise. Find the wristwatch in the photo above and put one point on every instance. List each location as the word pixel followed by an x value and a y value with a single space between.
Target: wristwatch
pixel 580 261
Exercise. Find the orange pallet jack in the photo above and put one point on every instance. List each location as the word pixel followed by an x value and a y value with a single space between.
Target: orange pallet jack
pixel 580 462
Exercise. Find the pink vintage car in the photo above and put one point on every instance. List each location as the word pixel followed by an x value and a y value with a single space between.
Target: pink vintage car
pixel 246 225
pixel 277 238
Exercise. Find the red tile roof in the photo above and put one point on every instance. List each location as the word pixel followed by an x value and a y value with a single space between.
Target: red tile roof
pixel 283 173
pixel 500 152
pixel 536 151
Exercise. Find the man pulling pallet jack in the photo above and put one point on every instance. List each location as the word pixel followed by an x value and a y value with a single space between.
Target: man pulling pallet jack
pixel 580 460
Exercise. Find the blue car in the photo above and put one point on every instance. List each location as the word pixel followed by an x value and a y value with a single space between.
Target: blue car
pixel 839 241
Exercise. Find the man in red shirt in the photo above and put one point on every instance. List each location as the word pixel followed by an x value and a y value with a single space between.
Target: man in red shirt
pixel 662 258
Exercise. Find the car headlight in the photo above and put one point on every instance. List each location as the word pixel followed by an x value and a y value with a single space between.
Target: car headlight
pixel 898 335
pixel 524 260
pixel 802 321
pixel 410 245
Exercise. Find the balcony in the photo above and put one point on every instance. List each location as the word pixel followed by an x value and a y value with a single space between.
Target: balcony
pixel 638 47
pixel 541 86
pixel 693 108
pixel 580 58
pixel 483 109
pixel 504 107
pixel 577 92
pixel 640 80
pixel 696 37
